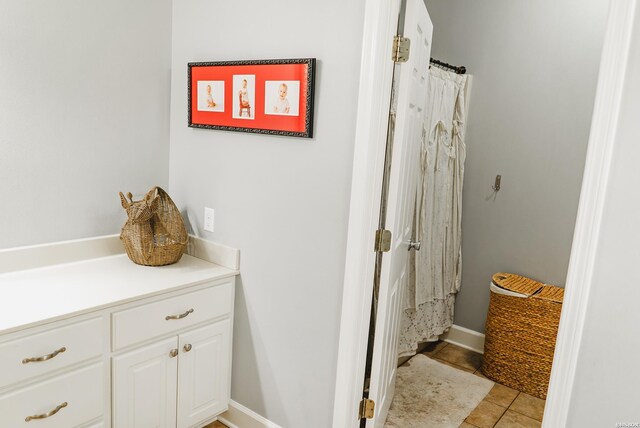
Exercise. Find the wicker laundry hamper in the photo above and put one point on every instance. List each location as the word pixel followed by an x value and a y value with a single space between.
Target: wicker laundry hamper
pixel 520 335
pixel 154 234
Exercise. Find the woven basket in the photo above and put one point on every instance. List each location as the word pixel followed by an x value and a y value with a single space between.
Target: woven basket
pixel 520 335
pixel 154 234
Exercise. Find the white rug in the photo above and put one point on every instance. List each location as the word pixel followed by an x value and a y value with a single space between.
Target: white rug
pixel 430 394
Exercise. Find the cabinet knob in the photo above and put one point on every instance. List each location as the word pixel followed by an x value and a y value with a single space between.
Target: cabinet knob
pixel 187 347
pixel 173 353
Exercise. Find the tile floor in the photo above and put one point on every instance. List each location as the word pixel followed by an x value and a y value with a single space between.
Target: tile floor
pixel 503 407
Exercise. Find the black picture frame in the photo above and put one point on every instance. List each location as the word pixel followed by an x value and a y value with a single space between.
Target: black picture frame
pixel 260 106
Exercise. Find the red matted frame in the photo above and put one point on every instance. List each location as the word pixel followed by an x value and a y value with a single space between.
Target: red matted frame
pixel 272 96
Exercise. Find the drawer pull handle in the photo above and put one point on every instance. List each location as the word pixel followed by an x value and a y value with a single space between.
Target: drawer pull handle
pixel 178 317
pixel 187 347
pixel 173 353
pixel 48 414
pixel 44 357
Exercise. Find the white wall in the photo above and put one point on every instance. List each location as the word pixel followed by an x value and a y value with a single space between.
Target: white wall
pixel 605 391
pixel 84 108
pixel 535 66
pixel 282 201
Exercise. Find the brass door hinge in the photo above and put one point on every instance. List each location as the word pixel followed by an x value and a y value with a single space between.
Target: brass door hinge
pixel 366 410
pixel 383 240
pixel 401 48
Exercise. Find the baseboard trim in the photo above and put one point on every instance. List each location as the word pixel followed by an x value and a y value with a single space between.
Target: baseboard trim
pixel 465 338
pixel 239 416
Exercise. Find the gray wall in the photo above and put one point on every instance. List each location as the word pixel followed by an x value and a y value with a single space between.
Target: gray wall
pixel 282 201
pixel 606 378
pixel 84 111
pixel 534 67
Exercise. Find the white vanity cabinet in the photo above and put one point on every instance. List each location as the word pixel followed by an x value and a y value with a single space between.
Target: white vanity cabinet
pixel 100 342
pixel 54 378
pixel 183 377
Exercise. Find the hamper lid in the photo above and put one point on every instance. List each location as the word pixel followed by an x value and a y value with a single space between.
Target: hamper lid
pixel 527 286
pixel 518 283
pixel 551 293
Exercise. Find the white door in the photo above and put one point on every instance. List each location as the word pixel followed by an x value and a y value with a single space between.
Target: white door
pixel 144 386
pixel 203 373
pixel 410 99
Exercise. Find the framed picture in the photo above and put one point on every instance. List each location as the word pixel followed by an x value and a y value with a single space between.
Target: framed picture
pixel 272 96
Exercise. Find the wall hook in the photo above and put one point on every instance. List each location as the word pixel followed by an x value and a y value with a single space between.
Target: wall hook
pixel 496 185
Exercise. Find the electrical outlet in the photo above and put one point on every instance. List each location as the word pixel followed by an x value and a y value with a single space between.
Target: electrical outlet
pixel 208 219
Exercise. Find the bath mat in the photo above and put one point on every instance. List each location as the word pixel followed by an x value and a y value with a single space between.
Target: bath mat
pixel 434 395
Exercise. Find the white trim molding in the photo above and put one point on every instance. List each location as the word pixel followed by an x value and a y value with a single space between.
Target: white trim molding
pixel 613 67
pixel 464 338
pixel 374 94
pixel 239 416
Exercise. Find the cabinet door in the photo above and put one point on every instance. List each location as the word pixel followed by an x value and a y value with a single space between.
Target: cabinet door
pixel 144 386
pixel 204 373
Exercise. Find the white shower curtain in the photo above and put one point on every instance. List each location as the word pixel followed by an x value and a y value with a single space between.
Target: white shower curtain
pixel 435 270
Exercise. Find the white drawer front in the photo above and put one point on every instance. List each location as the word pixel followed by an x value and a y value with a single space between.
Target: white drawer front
pixel 83 391
pixel 148 321
pixel 80 341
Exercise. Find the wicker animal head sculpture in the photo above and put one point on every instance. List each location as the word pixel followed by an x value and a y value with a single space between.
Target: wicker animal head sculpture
pixel 154 234
pixel 139 211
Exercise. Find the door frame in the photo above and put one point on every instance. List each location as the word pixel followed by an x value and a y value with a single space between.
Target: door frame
pixel 373 109
pixel 593 196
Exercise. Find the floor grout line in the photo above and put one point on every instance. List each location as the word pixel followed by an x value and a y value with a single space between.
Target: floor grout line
pixel 501 416
pixel 520 413
pixel 438 351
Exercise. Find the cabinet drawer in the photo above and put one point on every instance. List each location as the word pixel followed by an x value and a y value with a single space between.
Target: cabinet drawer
pixel 169 315
pixel 56 348
pixel 82 391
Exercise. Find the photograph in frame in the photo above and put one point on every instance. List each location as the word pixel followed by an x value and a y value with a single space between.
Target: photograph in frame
pixel 211 95
pixel 282 97
pixel 244 90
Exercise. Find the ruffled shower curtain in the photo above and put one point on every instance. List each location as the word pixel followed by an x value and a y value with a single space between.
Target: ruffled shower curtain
pixel 435 270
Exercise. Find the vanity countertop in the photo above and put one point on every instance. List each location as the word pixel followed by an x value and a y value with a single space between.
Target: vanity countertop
pixel 56 291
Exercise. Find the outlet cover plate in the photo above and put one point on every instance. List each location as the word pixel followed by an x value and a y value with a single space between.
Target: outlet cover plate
pixel 208 219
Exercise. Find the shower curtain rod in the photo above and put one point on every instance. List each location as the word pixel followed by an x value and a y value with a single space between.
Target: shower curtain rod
pixel 457 70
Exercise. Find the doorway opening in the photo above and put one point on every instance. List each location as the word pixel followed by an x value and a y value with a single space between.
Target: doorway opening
pixel 510 180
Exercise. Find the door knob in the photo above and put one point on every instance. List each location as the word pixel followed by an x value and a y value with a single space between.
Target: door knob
pixel 187 347
pixel 414 245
